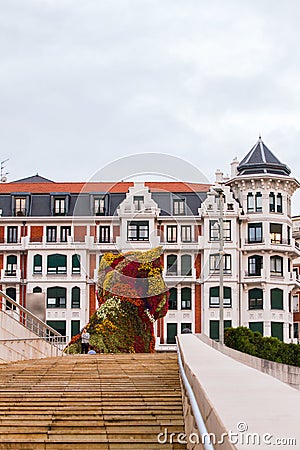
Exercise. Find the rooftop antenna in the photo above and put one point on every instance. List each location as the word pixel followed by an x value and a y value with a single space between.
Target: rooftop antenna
pixel 3 177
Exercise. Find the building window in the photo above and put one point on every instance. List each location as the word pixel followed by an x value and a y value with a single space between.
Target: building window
pixel 186 298
pixel 295 303
pixel 11 266
pixel 276 233
pixel 37 264
pixel 276 298
pixel 20 206
pixel 51 233
pixel 171 233
pixel 56 297
pixel 64 233
pixel 214 230
pixel 58 325
pixel 250 202
pixel 12 293
pixel 99 208
pixel 214 297
pixel 138 202
pixel 186 328
pixel 173 298
pixel 138 231
pixel 272 202
pixel 276 265
pixel 171 265
pixel 75 299
pixel 12 235
pixel 255 232
pixel 171 333
pixel 279 203
pixel 258 202
pixel 104 233
pixel 296 330
pixel 214 263
pixel 186 265
pixel 277 330
pixel 214 328
pixel 179 207
pixel 255 265
pixel 289 235
pixel 56 264
pixel 59 206
pixel 186 233
pixel 75 327
pixel 75 264
pixel 257 326
pixel 37 290
pixel 255 297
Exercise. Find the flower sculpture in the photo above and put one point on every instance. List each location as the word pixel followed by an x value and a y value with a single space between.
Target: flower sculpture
pixel 132 295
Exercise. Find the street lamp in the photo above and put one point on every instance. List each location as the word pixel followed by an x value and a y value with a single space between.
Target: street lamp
pixel 220 193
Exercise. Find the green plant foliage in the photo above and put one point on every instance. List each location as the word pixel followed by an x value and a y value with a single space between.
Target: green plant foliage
pixel 253 343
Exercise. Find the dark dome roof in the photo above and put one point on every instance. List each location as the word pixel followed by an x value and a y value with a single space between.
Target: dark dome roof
pixel 261 160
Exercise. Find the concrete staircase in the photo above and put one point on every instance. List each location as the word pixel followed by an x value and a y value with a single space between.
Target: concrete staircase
pixel 90 402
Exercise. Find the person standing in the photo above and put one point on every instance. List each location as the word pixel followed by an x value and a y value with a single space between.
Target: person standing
pixel 85 340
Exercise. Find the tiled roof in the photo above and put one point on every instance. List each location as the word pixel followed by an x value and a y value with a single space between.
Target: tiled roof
pixel 261 160
pixel 118 187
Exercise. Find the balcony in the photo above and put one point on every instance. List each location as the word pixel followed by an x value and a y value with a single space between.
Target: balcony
pixel 10 275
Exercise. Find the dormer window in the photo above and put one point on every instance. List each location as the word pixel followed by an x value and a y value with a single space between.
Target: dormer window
pixel 258 202
pixel 20 206
pixel 179 207
pixel 99 208
pixel 59 206
pixel 272 202
pixel 138 201
pixel 279 203
pixel 250 202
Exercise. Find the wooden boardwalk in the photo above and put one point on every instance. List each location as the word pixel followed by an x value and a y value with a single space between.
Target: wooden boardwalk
pixel 92 402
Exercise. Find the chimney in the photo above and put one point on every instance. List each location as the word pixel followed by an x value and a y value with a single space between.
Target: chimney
pixel 234 165
pixel 219 176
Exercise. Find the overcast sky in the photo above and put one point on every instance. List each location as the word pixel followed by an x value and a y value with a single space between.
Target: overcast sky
pixel 85 82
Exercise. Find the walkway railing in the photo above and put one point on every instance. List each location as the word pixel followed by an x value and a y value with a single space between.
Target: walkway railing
pixel 58 343
pixel 26 318
pixel 194 405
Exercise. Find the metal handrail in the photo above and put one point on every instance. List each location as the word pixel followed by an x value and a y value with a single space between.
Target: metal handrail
pixel 194 405
pixel 26 318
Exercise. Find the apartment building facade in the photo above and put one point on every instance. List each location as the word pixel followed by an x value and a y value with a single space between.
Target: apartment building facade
pixel 52 237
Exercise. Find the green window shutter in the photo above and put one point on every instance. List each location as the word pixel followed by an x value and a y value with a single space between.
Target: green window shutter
pixel 173 298
pixel 76 264
pixel 11 260
pixel 75 327
pixel 75 297
pixel 277 330
pixel 276 299
pixel 227 292
pixel 257 326
pixel 58 325
pixel 214 329
pixel 227 324
pixel 171 333
pixel 214 292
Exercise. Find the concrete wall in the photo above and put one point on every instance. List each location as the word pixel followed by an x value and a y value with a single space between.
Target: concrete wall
pixel 283 372
pixel 255 409
pixel 18 350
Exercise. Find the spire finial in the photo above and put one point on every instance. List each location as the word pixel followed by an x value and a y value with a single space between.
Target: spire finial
pixel 259 137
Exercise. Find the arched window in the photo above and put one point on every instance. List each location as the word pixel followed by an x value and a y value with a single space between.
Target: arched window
pixel 57 264
pixel 172 265
pixel 75 263
pixel 37 264
pixel 186 298
pixel 186 265
pixel 276 265
pixel 173 298
pixel 276 298
pixel 214 297
pixel 255 264
pixel 75 300
pixel 255 297
pixel 11 266
pixel 12 293
pixel 56 297
pixel 37 290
